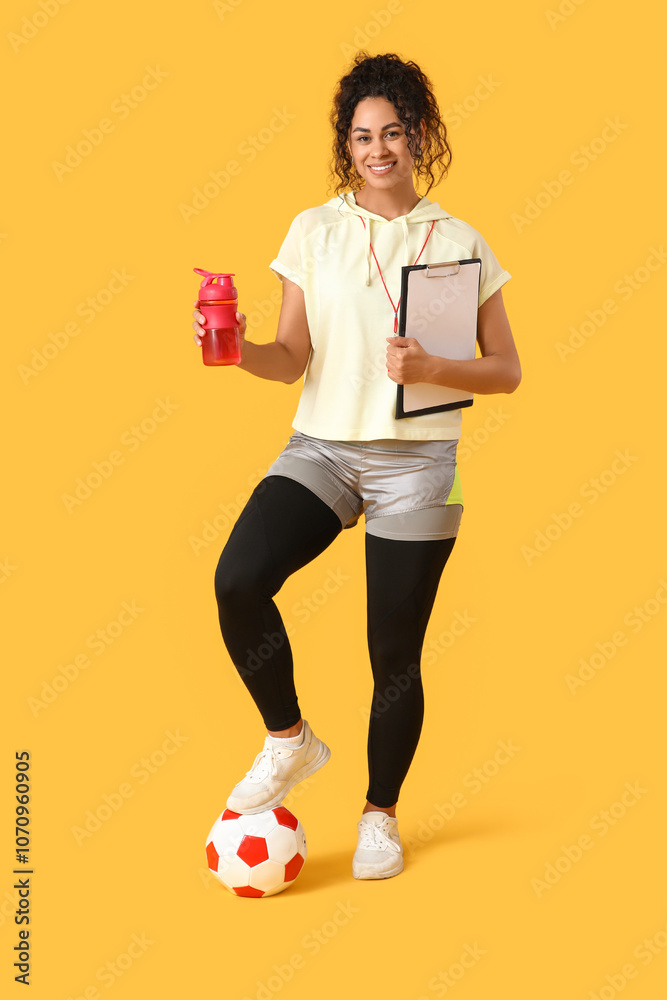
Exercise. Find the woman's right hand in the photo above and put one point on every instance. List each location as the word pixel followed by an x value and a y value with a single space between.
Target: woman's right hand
pixel 200 332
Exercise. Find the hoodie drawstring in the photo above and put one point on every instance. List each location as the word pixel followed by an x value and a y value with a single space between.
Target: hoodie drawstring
pixel 405 235
pixel 367 251
pixel 404 226
pixel 367 247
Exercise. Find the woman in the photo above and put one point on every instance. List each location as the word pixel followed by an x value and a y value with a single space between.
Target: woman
pixel 340 267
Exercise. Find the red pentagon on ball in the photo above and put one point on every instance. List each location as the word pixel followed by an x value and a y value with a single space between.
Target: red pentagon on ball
pixel 256 855
pixel 285 817
pixel 253 850
pixel 247 890
pixel 293 867
pixel 212 856
pixel 228 814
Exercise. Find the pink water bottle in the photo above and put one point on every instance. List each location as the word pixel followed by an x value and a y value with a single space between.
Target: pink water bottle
pixel 217 301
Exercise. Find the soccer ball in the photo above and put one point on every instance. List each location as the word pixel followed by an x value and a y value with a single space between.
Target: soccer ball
pixel 256 854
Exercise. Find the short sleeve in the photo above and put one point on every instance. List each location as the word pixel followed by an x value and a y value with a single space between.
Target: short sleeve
pixel 288 263
pixel 492 276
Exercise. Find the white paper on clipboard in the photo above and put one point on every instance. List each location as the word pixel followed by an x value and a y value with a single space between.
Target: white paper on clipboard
pixel 439 305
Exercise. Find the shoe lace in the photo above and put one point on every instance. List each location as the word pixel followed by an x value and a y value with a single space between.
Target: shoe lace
pixel 265 764
pixel 373 835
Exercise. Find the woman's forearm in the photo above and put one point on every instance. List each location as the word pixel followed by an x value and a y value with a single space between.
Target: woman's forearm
pixel 271 361
pixel 492 373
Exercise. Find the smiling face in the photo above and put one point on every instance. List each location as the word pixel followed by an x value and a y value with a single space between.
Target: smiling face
pixel 378 145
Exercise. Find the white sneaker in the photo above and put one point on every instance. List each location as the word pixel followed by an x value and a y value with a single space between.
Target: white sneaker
pixel 379 853
pixel 276 770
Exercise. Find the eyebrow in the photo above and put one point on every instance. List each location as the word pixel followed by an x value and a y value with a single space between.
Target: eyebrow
pixel 384 127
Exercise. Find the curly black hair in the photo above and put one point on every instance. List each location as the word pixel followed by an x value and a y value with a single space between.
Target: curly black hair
pixel 410 91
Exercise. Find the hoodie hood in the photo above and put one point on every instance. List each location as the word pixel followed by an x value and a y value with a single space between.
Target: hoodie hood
pixel 424 211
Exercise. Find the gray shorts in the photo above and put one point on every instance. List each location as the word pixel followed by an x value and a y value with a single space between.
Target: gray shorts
pixel 400 486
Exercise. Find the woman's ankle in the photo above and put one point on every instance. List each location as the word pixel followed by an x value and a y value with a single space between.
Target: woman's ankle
pixel 389 810
pixel 286 734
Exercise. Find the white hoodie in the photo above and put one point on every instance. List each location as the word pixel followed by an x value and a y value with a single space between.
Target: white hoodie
pixel 347 393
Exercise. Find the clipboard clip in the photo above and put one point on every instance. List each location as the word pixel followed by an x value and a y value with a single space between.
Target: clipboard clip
pixel 443 274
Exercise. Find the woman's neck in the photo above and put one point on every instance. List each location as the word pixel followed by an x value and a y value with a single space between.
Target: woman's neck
pixel 387 204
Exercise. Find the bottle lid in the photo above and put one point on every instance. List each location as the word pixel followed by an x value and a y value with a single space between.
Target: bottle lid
pixel 210 289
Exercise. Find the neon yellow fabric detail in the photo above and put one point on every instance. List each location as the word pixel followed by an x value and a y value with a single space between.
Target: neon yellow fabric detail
pixel 456 494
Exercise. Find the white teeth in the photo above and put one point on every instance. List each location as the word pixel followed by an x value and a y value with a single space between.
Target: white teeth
pixel 381 169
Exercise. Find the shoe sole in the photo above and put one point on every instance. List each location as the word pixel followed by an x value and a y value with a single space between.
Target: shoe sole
pixel 300 775
pixel 367 872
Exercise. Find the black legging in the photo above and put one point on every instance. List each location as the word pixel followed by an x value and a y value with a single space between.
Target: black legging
pixel 282 528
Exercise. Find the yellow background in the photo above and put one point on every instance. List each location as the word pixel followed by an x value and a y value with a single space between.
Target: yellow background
pixel 468 882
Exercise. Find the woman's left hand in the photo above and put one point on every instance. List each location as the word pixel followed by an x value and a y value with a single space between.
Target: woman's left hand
pixel 407 361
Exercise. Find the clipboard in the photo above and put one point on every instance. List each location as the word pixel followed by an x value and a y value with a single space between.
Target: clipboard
pixel 439 305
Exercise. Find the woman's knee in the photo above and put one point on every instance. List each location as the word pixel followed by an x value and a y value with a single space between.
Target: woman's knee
pixel 396 672
pixel 239 578
pixel 244 563
pixel 224 581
